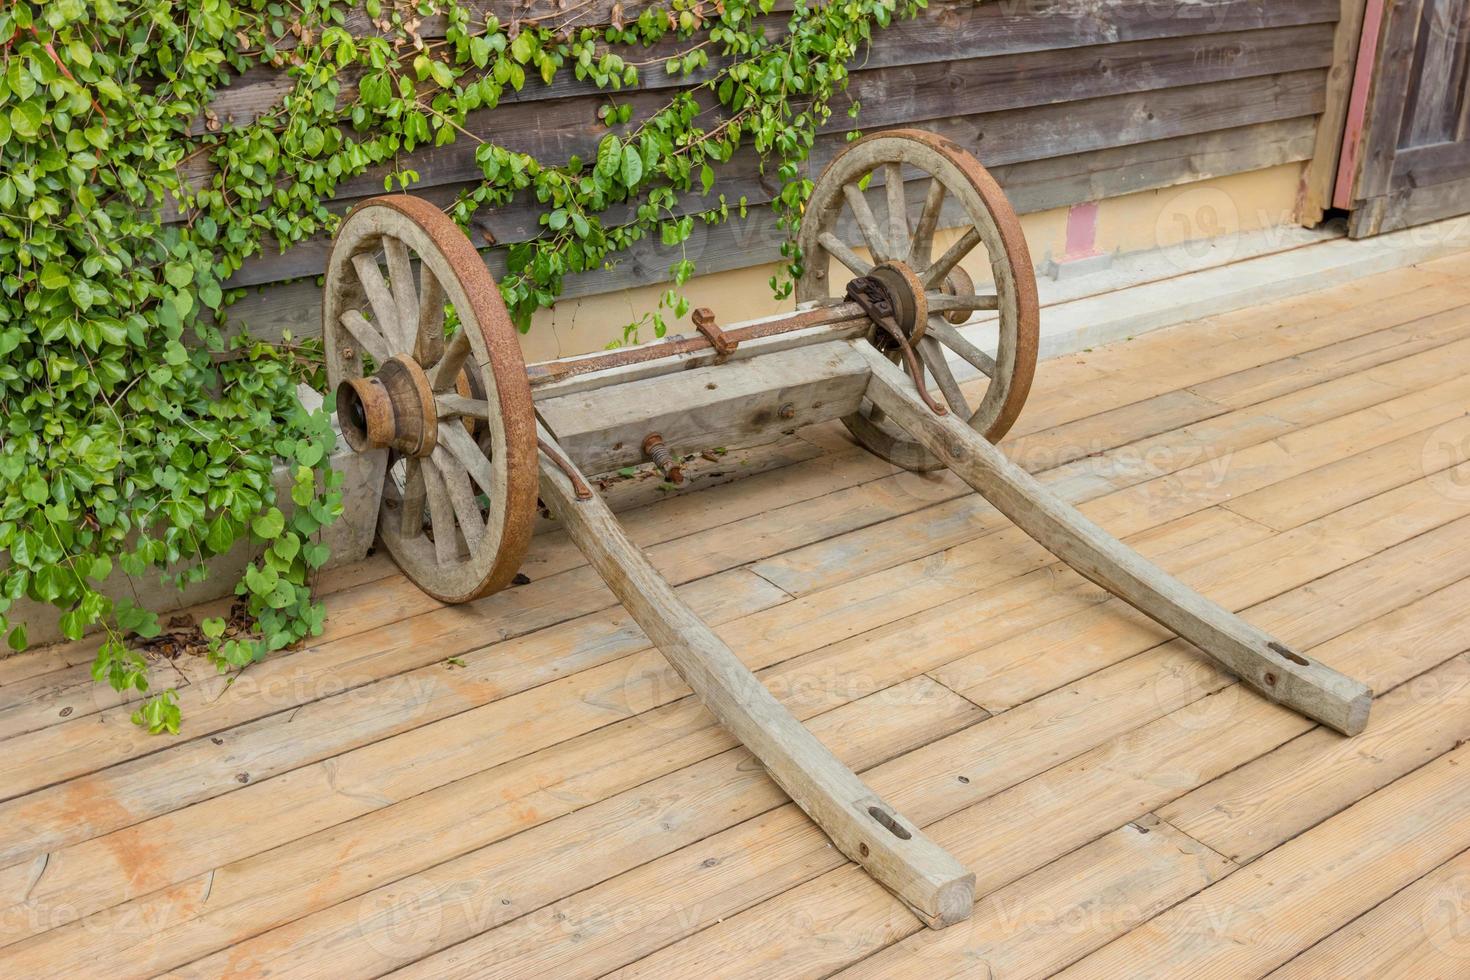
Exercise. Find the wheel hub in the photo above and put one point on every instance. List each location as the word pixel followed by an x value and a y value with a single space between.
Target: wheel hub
pixel 906 296
pixel 393 409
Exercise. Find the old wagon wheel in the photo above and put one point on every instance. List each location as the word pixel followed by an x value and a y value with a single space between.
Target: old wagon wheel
pixel 454 412
pixel 931 294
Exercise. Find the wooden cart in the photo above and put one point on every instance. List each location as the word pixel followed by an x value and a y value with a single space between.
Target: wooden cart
pixel 473 437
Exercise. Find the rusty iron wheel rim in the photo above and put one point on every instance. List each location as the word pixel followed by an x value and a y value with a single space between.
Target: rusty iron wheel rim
pixel 494 458
pixel 998 233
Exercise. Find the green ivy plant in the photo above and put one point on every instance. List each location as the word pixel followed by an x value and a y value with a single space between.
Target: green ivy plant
pixel 140 434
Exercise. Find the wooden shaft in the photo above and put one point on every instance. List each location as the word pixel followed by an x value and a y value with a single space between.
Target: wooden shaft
pixel 865 828
pixel 1267 665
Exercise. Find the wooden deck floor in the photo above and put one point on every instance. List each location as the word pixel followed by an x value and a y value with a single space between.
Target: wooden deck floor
pixel 521 787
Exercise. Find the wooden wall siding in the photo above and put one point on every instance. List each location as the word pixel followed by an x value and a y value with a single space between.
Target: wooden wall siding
pixel 1069 100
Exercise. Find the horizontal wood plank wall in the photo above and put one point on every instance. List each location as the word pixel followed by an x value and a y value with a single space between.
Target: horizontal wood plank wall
pixel 1066 100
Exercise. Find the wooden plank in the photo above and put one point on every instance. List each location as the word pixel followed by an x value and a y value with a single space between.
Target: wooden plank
pixel 942 948
pixel 1022 745
pixel 1005 834
pixel 378 842
pixel 862 825
pixel 1320 882
pixel 898 94
pixel 1008 138
pixel 739 403
pixel 1007 757
pixel 947 31
pixel 1040 923
pixel 1324 489
pixel 1388 99
pixel 88 861
pixel 1119 148
pixel 1262 805
pixel 1320 176
pixel 581 769
pixel 252 896
pixel 1417 933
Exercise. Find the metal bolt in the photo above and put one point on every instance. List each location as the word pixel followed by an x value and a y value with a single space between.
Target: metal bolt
pixel 348 353
pixel 787 411
pixel 654 448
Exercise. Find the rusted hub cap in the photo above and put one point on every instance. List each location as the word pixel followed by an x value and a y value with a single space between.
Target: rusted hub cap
pixel 393 409
pixel 906 294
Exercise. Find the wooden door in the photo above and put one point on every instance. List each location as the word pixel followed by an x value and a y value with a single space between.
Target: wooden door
pixel 1410 164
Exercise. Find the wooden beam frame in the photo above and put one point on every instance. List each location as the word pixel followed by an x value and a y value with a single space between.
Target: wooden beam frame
pixel 1281 674
pixel 862 826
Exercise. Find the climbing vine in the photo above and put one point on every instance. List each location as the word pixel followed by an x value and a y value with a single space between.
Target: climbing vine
pixel 140 430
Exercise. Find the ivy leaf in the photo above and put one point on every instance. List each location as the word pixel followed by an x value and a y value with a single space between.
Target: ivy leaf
pixel 53 276
pixel 609 155
pixel 442 74
pixel 18 639
pixel 269 524
pixel 221 534
pixel 178 274
pixel 25 119
pixel 523 46
pixel 632 166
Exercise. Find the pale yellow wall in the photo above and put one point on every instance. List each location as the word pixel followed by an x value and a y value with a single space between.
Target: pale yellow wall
pixel 1167 218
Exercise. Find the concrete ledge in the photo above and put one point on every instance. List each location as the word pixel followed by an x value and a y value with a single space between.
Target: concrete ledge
pixel 1228 275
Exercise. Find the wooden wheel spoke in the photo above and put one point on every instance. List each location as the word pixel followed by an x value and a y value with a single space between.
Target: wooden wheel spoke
pixel 441 513
pixel 923 242
pixel 429 334
pixel 444 373
pixel 470 456
pixel 966 243
pixel 461 497
pixel 843 254
pixel 450 405
pixel 943 331
pixel 385 310
pixel 898 218
pixel 411 518
pixel 932 354
pixel 867 224
pixel 368 339
pixel 405 291
pixel 944 302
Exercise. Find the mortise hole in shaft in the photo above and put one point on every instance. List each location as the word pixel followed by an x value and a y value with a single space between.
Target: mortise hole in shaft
pixel 889 824
pixel 1286 654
